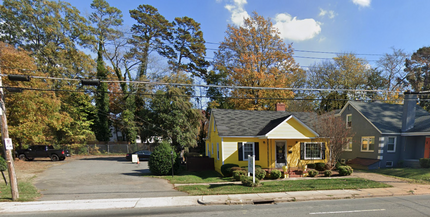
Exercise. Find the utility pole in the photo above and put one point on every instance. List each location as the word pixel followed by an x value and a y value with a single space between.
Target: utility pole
pixel 7 151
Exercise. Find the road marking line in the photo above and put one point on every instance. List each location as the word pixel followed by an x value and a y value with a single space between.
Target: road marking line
pixel 351 211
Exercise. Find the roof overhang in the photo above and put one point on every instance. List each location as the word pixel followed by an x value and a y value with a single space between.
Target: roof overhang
pixel 298 120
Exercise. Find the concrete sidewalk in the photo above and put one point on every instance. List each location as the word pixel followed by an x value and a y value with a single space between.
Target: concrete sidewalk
pixel 400 188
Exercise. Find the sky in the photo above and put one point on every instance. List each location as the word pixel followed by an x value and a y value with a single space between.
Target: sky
pixel 357 26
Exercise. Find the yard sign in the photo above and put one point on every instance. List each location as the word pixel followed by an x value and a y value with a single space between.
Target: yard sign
pixel 251 167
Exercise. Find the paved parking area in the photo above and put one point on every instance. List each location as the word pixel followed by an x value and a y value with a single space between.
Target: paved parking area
pixel 101 178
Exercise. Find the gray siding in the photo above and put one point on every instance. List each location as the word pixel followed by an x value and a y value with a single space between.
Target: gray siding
pixel 361 127
pixel 413 147
pixel 391 156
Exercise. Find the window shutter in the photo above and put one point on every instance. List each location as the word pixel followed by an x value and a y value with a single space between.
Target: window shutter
pixel 240 151
pixel 302 151
pixel 323 150
pixel 257 151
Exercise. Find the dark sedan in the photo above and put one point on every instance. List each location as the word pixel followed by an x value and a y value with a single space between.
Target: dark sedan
pixel 143 155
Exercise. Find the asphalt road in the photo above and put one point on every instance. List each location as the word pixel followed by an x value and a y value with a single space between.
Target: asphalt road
pixel 101 178
pixel 409 206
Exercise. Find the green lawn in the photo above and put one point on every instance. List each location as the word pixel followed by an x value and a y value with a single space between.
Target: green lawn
pixel 282 186
pixel 27 192
pixel 186 177
pixel 417 175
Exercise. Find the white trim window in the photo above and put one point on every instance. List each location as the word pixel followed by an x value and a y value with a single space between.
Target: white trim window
pixel 248 149
pixel 367 144
pixel 348 120
pixel 348 145
pixel 391 144
pixel 313 150
pixel 217 151
pixel 389 164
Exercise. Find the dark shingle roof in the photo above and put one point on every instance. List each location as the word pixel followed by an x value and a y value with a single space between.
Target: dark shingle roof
pixel 253 123
pixel 388 117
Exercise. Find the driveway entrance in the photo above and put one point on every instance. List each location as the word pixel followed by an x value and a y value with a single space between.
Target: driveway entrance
pixel 101 178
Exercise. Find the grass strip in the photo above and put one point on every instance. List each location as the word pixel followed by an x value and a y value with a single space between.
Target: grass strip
pixel 282 186
pixel 186 177
pixel 414 175
pixel 27 192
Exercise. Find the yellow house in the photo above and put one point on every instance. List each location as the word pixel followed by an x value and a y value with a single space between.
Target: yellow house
pixel 276 138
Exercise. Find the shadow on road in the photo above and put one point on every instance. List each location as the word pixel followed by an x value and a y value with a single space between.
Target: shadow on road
pixel 138 172
pixel 105 158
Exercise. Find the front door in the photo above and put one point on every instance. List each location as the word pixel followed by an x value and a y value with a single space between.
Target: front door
pixel 281 156
pixel 427 148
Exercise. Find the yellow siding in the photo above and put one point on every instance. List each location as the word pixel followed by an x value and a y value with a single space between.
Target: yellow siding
pixel 291 129
pixel 229 152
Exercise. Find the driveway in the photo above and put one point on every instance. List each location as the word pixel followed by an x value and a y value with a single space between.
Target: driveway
pixel 101 178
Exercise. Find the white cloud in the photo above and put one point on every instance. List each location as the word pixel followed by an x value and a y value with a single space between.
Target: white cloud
pixel 238 12
pixel 296 30
pixel 330 14
pixel 362 3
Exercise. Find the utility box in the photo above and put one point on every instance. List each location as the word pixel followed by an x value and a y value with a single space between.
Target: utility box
pixel 134 158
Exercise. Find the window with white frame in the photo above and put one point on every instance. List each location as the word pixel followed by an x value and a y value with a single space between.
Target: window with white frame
pixel 389 164
pixel 367 143
pixel 248 150
pixel 391 144
pixel 313 150
pixel 217 151
pixel 348 145
pixel 348 120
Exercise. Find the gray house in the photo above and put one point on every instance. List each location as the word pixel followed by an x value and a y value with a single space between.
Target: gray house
pixel 386 135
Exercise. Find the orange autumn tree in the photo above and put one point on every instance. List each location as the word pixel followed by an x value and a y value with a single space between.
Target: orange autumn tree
pixel 254 55
pixel 32 115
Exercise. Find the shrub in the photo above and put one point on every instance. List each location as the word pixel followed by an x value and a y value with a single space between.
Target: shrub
pixel 260 173
pixel 338 164
pixel 345 170
pixel 237 175
pixel 327 173
pixel 311 166
pixel 3 166
pixel 237 168
pixel 320 166
pixel 247 181
pixel 160 161
pixel 225 169
pixel 425 162
pixel 275 174
pixel 313 173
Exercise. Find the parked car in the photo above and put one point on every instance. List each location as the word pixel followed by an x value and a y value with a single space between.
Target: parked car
pixel 142 154
pixel 42 151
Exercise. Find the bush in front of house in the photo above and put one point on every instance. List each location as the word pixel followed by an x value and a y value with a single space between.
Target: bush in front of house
pixel 425 162
pixel 226 169
pixel 311 166
pixel 247 181
pixel 345 170
pixel 338 164
pixel 328 173
pixel 275 174
pixel 320 166
pixel 313 173
pixel 237 175
pixel 260 173
pixel 160 161
pixel 237 168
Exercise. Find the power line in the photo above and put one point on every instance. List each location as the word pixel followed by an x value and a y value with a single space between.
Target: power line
pixel 216 86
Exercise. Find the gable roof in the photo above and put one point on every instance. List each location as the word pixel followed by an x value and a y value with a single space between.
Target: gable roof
pixel 387 118
pixel 254 123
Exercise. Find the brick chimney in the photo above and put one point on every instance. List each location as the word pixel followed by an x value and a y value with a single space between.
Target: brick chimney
pixel 280 107
pixel 409 108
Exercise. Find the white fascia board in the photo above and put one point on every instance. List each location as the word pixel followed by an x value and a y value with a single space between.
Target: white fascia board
pixel 288 118
pixel 416 134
